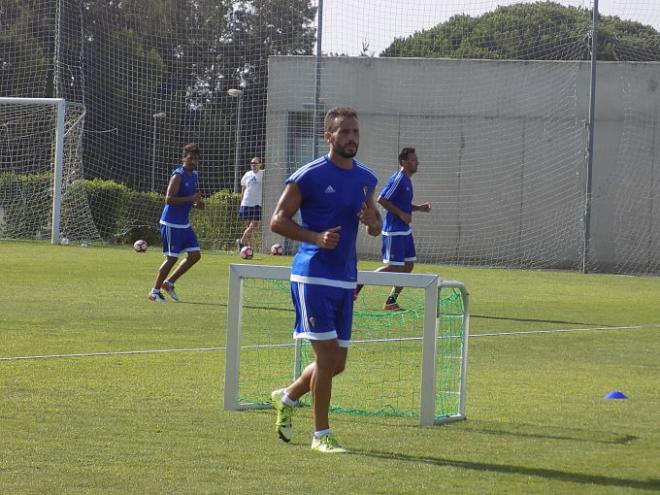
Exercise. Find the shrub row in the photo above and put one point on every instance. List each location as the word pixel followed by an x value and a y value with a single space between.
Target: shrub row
pixel 25 205
pixel 118 214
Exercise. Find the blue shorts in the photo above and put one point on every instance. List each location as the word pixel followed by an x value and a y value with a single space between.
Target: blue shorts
pixel 177 241
pixel 322 312
pixel 250 213
pixel 397 249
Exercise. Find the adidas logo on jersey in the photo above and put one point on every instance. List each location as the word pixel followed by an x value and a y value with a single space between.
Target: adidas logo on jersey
pixel 329 190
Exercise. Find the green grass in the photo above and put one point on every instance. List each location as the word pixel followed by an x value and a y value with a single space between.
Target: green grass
pixel 154 422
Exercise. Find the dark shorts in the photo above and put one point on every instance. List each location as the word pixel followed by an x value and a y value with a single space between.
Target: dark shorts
pixel 250 213
pixel 397 249
pixel 322 312
pixel 177 241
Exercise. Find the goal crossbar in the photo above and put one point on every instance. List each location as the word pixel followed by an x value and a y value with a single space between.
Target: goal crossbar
pixel 432 285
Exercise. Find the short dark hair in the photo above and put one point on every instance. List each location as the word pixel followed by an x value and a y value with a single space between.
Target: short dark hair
pixel 190 149
pixel 333 113
pixel 405 152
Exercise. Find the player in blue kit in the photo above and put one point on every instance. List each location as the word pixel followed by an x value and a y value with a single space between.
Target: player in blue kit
pixel 334 193
pixel 175 229
pixel 398 243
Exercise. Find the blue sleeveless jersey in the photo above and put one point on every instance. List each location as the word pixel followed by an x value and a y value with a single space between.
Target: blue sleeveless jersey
pixel 399 191
pixel 177 215
pixel 331 197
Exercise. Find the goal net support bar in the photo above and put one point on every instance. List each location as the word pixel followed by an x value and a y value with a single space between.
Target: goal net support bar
pixel 58 154
pixel 240 338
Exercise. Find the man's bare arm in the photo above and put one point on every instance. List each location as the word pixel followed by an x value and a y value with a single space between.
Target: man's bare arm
pixel 282 221
pixel 392 208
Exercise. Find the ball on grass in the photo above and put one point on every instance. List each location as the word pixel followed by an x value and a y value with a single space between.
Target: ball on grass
pixel 140 246
pixel 247 253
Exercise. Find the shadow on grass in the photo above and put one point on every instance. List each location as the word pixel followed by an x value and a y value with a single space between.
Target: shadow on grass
pixel 572 435
pixel 246 306
pixel 518 430
pixel 224 305
pixel 538 320
pixel 553 474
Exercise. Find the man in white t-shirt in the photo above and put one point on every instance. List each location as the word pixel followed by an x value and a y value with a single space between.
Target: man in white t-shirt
pixel 250 210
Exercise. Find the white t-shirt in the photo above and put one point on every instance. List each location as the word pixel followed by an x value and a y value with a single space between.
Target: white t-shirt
pixel 253 185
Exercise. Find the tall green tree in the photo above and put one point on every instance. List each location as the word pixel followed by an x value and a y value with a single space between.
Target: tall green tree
pixel 538 31
pixel 26 48
pixel 143 57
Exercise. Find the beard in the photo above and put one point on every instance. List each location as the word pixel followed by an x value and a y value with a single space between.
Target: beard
pixel 343 152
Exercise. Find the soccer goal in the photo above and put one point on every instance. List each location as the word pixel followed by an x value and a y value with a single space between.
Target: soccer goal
pixel 410 363
pixel 39 145
pixel 33 130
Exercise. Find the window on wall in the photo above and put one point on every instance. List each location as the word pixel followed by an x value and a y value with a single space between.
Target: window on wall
pixel 301 132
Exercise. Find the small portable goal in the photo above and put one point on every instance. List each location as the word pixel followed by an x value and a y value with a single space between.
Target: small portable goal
pixel 409 363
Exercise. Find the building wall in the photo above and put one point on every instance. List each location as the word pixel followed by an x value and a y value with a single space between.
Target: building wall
pixel 502 153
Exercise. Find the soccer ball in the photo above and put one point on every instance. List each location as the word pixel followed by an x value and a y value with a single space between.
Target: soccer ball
pixel 247 253
pixel 64 241
pixel 276 249
pixel 140 246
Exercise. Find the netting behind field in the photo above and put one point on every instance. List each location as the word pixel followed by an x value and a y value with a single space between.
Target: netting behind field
pixel 27 164
pixel 493 94
pixel 383 373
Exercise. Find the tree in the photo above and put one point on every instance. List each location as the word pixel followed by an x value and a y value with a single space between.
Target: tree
pixel 181 57
pixel 131 59
pixel 539 31
pixel 25 49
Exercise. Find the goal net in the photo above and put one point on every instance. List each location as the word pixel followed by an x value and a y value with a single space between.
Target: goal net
pixel 494 95
pixel 39 164
pixel 410 363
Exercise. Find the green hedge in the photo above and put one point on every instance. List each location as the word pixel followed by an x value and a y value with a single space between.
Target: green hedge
pixel 140 218
pixel 107 203
pixel 217 225
pixel 120 215
pixel 26 203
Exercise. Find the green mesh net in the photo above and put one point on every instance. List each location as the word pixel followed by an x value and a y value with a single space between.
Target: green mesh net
pixel 383 372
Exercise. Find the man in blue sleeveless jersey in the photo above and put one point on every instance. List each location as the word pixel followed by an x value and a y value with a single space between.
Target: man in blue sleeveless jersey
pixel 398 243
pixel 333 193
pixel 175 229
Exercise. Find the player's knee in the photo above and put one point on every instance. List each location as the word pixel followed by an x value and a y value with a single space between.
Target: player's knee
pixel 340 363
pixel 194 256
pixel 408 266
pixel 330 362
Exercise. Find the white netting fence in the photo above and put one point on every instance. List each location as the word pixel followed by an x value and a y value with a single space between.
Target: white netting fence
pixel 494 96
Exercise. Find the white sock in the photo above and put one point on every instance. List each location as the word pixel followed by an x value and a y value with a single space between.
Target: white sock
pixel 288 400
pixel 319 434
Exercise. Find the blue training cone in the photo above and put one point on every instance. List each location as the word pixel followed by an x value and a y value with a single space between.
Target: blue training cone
pixel 615 394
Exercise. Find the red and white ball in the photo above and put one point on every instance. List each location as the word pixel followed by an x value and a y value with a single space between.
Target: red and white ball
pixel 140 246
pixel 276 249
pixel 247 253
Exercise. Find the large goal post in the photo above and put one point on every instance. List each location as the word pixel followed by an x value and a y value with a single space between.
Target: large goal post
pixel 411 363
pixel 27 137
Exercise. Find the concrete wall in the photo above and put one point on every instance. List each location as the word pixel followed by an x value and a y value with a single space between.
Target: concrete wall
pixel 502 151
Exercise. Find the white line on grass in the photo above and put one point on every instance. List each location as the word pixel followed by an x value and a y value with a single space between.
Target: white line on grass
pixel 360 341
pixel 111 353
pixel 559 330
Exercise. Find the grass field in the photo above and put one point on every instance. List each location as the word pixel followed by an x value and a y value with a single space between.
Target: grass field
pixel 83 412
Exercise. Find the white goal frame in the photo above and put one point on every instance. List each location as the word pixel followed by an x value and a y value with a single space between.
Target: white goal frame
pixel 431 284
pixel 58 159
